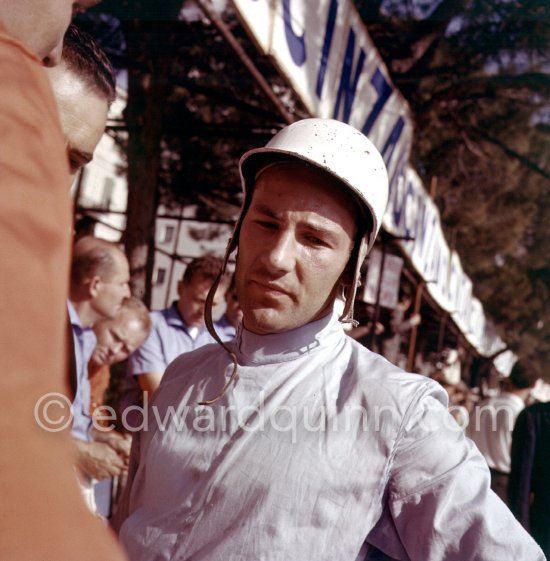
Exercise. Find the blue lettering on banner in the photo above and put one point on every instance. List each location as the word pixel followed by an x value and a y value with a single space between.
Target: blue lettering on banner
pixel 409 199
pixel 296 43
pixel 391 143
pixel 443 273
pixel 327 43
pixel 398 203
pixel 345 89
pixel 384 91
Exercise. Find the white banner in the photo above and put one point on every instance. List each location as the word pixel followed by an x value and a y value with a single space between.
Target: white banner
pixel 389 283
pixel 324 51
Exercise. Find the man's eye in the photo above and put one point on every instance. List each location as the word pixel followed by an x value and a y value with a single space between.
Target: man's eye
pixel 266 225
pixel 314 240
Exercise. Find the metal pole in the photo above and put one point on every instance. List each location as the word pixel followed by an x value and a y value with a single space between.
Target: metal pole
pixel 414 330
pixel 245 59
pixel 372 333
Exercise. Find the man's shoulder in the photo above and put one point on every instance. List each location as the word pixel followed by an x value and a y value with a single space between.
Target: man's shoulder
pixel 205 360
pixel 382 381
pixel 166 318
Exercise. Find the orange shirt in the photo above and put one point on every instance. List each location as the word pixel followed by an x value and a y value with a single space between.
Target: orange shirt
pixel 42 514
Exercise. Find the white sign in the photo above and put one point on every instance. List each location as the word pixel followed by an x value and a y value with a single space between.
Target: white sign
pixel 389 283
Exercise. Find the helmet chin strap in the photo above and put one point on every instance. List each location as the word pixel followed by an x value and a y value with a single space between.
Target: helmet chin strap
pixel 210 323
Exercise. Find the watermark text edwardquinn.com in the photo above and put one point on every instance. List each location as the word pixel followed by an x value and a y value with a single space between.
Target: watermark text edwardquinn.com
pixel 53 412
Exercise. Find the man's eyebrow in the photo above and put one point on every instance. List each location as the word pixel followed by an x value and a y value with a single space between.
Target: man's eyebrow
pixel 265 209
pixel 312 225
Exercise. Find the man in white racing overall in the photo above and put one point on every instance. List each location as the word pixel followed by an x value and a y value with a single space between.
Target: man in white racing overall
pixel 294 442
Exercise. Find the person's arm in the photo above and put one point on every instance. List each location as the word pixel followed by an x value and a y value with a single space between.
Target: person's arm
pixel 98 460
pixel 439 503
pixel 120 443
pixel 148 363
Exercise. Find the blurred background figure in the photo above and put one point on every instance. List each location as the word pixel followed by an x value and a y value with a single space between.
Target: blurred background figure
pixel 227 325
pixel 398 325
pixel 99 284
pixel 493 419
pixel 117 339
pixel 529 487
pixel 179 328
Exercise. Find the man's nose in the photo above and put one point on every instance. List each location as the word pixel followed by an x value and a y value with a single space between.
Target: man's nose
pixel 53 58
pixel 280 255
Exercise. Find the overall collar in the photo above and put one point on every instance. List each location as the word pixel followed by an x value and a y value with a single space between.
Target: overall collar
pixel 289 345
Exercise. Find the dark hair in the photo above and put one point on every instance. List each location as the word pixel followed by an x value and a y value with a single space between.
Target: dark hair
pixel 207 268
pixel 523 375
pixel 85 59
pixel 91 257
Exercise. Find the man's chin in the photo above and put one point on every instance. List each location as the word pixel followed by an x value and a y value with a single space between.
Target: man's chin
pixel 266 322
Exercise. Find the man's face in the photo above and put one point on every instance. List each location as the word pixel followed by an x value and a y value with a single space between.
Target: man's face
pixel 192 298
pixel 111 289
pixel 294 244
pixel 83 115
pixel 41 24
pixel 117 338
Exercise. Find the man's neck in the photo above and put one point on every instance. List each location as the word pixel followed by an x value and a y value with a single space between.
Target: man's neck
pixel 85 313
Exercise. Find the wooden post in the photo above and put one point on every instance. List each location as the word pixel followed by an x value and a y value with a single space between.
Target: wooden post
pixel 414 330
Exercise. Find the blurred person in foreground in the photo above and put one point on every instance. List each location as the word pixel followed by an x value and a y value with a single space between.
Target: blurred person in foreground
pixel 529 487
pixel 492 422
pixel 40 498
pixel 293 441
pixel 179 328
pixel 84 86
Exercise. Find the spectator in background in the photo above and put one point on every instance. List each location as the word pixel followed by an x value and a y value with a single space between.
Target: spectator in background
pixel 40 498
pixel 399 323
pixel 227 325
pixel 117 339
pixel 179 328
pixel 492 422
pixel 363 331
pixel 529 488
pixel 99 284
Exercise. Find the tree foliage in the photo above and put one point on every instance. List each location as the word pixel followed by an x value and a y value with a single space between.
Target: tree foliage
pixel 476 76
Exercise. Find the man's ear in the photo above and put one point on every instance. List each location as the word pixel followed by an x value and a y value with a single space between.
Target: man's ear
pixel 347 276
pixel 94 286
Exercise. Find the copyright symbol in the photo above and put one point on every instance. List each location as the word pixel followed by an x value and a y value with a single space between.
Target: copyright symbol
pixel 53 412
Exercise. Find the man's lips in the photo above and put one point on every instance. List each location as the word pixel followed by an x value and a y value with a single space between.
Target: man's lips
pixel 272 289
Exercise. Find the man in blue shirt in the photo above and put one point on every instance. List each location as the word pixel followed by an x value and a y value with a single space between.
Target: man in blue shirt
pixel 99 283
pixel 179 328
